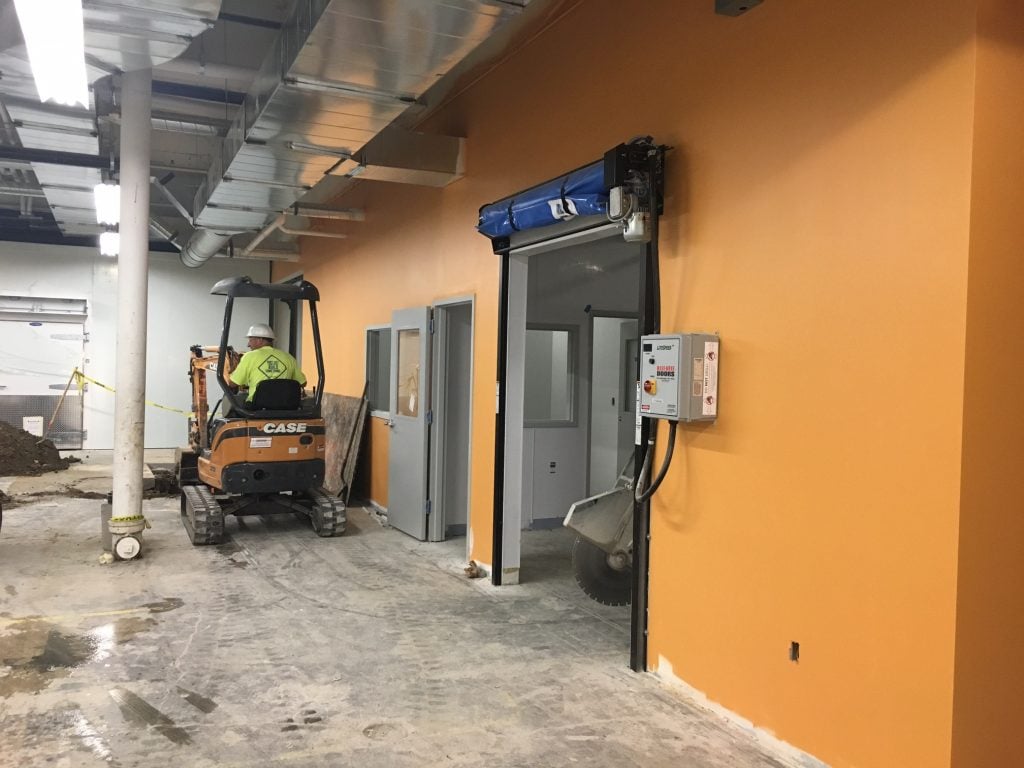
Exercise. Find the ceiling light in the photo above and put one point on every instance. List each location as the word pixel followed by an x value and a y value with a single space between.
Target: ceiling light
pixel 108 203
pixel 347 90
pixel 316 149
pixel 55 37
pixel 110 243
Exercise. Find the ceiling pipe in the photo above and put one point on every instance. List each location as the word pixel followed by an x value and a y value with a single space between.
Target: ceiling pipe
pixel 263 234
pixel 160 230
pixel 21 191
pixel 344 214
pixel 311 233
pixel 178 206
pixel 202 246
pixel 205 243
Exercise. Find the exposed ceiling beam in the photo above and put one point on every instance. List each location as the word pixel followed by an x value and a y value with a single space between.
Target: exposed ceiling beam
pixel 251 21
pixel 55 238
pixel 54 157
pixel 197 92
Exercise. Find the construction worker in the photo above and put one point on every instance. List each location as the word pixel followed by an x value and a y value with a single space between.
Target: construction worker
pixel 263 362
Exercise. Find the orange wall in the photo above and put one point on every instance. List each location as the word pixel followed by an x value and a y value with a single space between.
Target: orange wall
pixel 817 217
pixel 382 267
pixel 989 678
pixel 379 435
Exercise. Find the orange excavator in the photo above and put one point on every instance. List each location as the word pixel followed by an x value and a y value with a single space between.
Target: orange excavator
pixel 256 455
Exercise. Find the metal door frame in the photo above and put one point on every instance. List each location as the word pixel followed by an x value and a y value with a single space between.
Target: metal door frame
pixel 437 524
pixel 649 323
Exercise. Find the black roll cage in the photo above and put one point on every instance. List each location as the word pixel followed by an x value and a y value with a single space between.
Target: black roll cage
pixel 289 293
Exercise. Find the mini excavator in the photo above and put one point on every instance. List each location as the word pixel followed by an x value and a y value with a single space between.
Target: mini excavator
pixel 260 455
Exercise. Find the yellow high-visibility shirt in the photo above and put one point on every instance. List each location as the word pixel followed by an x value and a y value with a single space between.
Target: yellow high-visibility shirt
pixel 265 363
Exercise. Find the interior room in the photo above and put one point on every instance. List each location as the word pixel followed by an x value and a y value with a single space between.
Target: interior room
pixel 511 382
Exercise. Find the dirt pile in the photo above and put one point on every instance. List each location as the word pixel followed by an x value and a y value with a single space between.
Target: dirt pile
pixel 22 453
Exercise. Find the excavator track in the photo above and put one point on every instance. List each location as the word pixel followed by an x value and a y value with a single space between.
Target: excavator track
pixel 201 515
pixel 327 513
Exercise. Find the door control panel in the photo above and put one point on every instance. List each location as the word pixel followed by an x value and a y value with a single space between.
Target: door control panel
pixel 679 376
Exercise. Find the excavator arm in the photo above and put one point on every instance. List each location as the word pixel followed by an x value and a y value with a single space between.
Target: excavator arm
pixel 204 359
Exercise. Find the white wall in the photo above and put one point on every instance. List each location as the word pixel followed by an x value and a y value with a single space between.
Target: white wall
pixel 603 276
pixel 181 313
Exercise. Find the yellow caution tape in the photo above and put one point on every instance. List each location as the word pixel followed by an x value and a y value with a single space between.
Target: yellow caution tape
pixel 81 378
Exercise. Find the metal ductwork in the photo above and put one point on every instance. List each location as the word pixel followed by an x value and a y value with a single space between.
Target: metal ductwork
pixel 120 36
pixel 202 245
pixel 338 74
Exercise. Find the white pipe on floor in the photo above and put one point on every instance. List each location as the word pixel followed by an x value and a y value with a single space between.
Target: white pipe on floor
pixel 132 289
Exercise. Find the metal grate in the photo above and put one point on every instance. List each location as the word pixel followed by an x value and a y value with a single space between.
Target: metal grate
pixel 66 433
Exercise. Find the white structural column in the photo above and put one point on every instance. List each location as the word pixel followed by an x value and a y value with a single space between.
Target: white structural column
pixel 132 293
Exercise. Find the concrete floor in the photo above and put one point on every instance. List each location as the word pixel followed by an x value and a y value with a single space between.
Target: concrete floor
pixel 280 648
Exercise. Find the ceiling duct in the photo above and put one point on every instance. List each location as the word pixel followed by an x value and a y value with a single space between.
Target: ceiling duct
pixel 338 74
pixel 407 158
pixel 120 36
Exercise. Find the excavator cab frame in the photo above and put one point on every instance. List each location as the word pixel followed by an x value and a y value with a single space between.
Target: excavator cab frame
pixel 291 294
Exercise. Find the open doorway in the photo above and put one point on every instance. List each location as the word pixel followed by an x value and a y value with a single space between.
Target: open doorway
pixel 452 422
pixel 570 389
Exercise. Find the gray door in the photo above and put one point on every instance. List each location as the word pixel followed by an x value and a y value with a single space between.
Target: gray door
pixel 410 429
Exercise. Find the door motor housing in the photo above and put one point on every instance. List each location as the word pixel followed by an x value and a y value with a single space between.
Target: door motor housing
pixel 679 376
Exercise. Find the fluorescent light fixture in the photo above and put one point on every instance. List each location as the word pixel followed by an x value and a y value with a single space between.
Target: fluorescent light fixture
pixel 347 90
pixel 316 149
pixel 110 243
pixel 54 34
pixel 108 203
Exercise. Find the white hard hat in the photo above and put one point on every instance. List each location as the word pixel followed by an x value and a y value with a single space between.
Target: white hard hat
pixel 261 331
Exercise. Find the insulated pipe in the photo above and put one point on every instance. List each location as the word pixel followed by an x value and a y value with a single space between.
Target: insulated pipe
pixel 132 289
pixel 206 243
pixel 202 246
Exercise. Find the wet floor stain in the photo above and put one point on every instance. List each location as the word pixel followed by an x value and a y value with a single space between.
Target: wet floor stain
pixel 129 627
pixel 200 702
pixel 89 738
pixel 165 605
pixel 138 711
pixel 38 653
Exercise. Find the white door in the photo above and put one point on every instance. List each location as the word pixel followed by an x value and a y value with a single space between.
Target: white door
pixel 36 361
pixel 612 401
pixel 408 453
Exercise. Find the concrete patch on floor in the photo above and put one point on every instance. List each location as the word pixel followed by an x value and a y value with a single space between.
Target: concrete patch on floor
pixel 81 480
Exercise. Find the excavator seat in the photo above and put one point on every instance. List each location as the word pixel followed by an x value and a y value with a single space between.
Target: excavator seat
pixel 277 395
